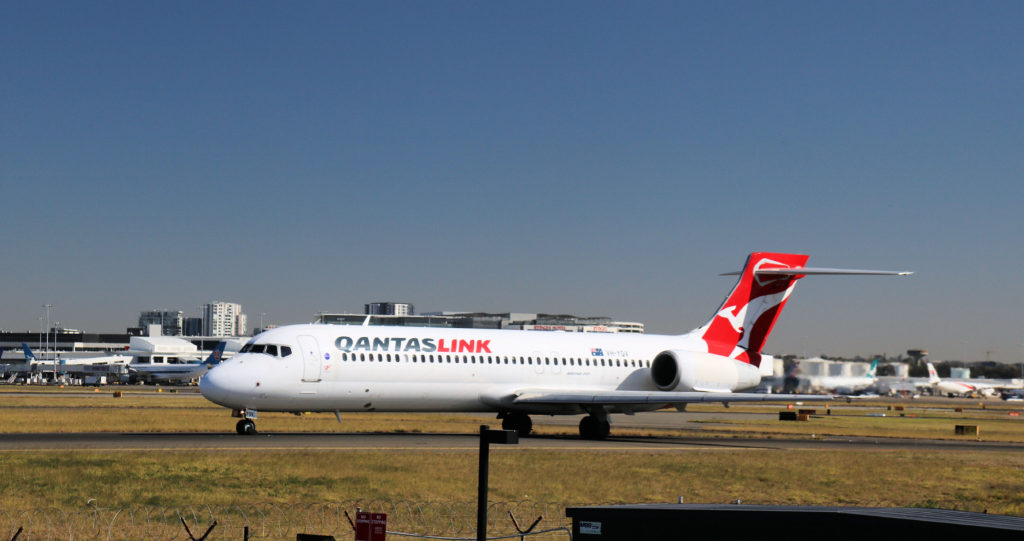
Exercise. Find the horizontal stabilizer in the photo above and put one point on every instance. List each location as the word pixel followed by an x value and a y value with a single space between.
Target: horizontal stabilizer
pixel 807 271
pixel 819 271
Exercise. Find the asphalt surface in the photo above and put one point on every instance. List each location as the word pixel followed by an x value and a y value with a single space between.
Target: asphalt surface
pixel 681 422
pixel 457 442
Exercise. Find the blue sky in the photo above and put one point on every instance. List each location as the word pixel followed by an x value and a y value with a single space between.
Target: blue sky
pixel 597 158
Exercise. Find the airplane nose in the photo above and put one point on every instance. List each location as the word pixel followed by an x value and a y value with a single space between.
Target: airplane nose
pixel 216 385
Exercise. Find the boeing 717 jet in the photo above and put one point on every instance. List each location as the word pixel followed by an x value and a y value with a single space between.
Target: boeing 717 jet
pixel 515 374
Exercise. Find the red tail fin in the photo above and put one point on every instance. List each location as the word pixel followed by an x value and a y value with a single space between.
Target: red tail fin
pixel 742 324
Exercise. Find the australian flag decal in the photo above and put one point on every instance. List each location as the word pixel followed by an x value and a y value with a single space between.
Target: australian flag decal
pixel 596 352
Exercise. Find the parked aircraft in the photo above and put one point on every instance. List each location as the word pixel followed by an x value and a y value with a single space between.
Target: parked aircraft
pixel 15 369
pixel 844 385
pixel 968 387
pixel 165 368
pixel 58 364
pixel 318 367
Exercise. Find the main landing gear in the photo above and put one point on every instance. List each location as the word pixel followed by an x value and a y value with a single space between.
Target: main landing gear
pixel 595 426
pixel 518 421
pixel 592 427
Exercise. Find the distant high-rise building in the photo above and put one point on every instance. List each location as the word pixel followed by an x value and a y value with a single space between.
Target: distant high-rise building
pixel 389 309
pixel 223 319
pixel 170 321
pixel 192 326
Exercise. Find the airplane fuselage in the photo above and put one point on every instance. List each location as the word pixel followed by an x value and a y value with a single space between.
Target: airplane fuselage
pixel 376 368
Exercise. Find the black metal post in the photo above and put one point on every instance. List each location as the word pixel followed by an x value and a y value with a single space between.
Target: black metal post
pixel 487 437
pixel 481 498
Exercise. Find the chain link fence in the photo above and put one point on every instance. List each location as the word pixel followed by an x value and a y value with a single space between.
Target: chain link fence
pixel 272 521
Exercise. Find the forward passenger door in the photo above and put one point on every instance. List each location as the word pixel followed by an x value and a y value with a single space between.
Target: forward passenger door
pixel 310 358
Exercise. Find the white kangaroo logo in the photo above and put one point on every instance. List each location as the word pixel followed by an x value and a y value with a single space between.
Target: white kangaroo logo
pixel 734 319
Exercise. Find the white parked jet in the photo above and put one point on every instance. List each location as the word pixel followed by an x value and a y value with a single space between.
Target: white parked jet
pixel 339 368
pixel 968 387
pixel 31 360
pixel 844 385
pixel 157 368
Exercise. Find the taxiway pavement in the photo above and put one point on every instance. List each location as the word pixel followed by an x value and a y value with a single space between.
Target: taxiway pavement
pixel 457 442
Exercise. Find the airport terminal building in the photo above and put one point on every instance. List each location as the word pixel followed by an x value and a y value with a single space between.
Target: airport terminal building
pixel 484 320
pixel 69 343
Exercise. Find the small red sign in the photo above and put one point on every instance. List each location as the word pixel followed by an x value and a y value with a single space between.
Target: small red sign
pixel 371 526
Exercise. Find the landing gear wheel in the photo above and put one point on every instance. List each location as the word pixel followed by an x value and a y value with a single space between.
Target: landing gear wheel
pixel 591 428
pixel 245 427
pixel 520 422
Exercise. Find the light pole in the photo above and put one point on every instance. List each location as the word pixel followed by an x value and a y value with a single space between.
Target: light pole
pixel 47 350
pixel 56 325
pixel 47 306
pixel 487 437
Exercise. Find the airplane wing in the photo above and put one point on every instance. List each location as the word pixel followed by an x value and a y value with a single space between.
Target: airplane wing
pixel 618 398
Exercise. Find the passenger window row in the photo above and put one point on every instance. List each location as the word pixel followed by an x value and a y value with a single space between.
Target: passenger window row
pixel 491 359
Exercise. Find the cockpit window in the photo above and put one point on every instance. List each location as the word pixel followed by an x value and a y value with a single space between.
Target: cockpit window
pixel 269 349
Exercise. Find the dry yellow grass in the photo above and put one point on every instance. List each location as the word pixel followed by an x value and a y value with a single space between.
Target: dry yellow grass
pixel 73 483
pixel 974 481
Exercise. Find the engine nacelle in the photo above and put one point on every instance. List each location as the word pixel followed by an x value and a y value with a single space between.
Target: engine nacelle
pixel 677 370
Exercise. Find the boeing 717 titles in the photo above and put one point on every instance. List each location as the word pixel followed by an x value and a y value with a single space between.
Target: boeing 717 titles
pixel 344 368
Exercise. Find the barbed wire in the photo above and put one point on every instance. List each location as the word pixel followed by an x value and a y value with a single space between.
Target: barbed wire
pixel 449 520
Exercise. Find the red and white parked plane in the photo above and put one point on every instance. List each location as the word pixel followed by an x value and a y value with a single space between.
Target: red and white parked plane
pixel 968 387
pixel 347 368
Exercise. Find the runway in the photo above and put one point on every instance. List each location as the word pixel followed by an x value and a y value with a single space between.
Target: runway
pixel 686 435
pixel 405 442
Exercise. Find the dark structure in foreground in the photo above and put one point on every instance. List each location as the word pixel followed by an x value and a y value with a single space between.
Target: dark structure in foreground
pixel 676 521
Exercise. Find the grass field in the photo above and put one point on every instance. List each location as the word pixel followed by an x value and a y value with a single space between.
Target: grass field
pixel 974 480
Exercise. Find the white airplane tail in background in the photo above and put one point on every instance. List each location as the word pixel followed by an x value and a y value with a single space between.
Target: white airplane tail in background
pixel 933 375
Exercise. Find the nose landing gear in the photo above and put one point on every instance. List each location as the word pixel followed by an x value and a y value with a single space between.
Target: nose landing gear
pixel 246 427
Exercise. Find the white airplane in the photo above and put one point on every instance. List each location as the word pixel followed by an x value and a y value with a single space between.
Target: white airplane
pixel 844 385
pixel 968 387
pixel 63 364
pixel 170 369
pixel 337 368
